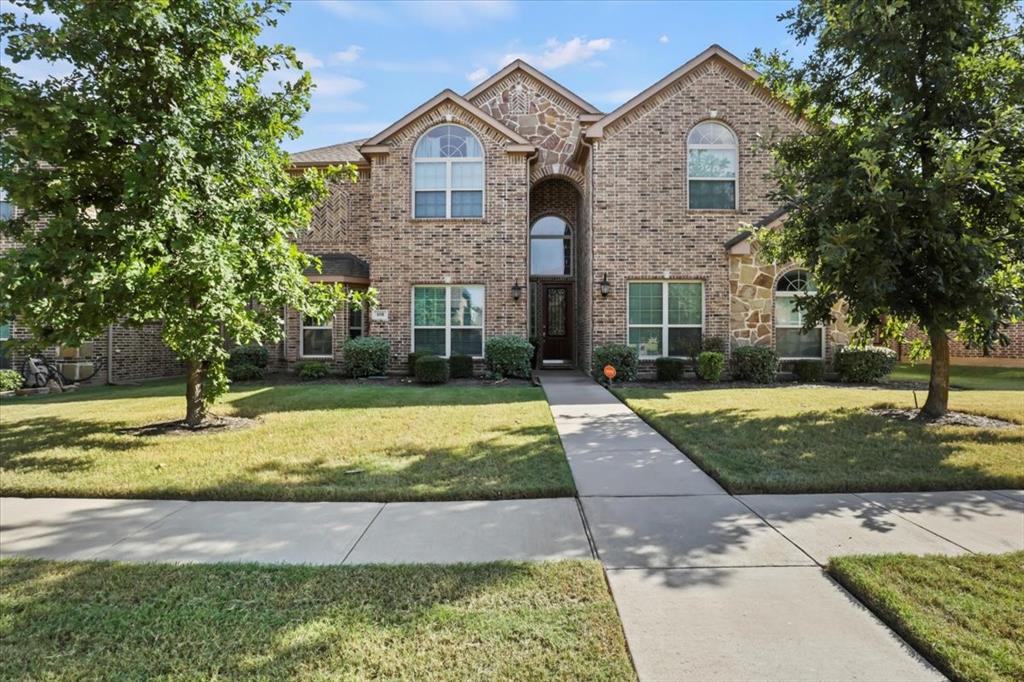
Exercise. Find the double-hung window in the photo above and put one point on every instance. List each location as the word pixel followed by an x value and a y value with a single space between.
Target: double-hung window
pixel 666 318
pixel 711 160
pixel 448 320
pixel 6 207
pixel 317 338
pixel 355 322
pixel 791 341
pixel 448 174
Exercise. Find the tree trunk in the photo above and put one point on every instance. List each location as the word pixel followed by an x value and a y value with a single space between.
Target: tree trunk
pixel 195 408
pixel 938 384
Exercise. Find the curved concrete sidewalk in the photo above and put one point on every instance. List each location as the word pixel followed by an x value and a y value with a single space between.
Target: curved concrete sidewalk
pixel 715 587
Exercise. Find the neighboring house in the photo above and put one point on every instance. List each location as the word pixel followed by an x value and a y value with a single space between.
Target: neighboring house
pixel 520 208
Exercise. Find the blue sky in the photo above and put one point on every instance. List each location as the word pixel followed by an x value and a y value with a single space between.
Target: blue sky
pixel 375 61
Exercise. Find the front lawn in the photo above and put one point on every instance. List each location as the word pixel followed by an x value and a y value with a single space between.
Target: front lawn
pixel 486 621
pixel 965 376
pixel 965 613
pixel 802 439
pixel 321 441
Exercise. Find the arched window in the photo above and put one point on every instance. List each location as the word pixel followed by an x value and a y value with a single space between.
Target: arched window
pixel 448 174
pixel 550 247
pixel 791 341
pixel 711 161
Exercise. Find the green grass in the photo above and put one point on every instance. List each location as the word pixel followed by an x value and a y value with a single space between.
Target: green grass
pixel 965 614
pixel 323 441
pixel 87 620
pixel 801 439
pixel 966 376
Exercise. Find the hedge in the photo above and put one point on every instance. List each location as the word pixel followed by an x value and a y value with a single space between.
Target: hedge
pixel 461 366
pixel 309 370
pixel 509 356
pixel 244 372
pixel 431 369
pixel 669 369
pixel 411 361
pixel 710 365
pixel 365 356
pixel 754 363
pixel 10 380
pixel 864 365
pixel 253 355
pixel 625 359
pixel 812 371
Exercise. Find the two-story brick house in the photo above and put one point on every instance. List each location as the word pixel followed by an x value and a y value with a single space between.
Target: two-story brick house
pixel 520 208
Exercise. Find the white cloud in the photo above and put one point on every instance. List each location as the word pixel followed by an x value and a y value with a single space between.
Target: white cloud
pixel 327 84
pixel 348 55
pixel 458 14
pixel 309 60
pixel 616 96
pixel 557 54
pixel 478 75
pixel 663 39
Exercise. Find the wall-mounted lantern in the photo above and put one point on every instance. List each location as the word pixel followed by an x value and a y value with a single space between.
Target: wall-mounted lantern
pixel 605 286
pixel 517 291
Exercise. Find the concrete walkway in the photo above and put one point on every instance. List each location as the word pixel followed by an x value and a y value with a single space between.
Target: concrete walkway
pixel 715 587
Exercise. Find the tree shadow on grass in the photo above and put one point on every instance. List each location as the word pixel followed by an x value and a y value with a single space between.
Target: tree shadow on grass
pixel 143 621
pixel 21 442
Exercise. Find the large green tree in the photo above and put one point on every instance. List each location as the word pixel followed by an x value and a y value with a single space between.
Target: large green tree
pixel 150 177
pixel 908 199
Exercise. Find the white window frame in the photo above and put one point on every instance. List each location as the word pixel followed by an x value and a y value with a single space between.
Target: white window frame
pixel 734 148
pixel 665 326
pixel 775 315
pixel 449 161
pixel 552 237
pixel 447 326
pixel 302 336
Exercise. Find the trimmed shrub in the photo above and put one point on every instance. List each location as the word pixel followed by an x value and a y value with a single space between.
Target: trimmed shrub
pixel 431 369
pixel 864 365
pixel 411 360
pixel 10 380
pixel 625 359
pixel 668 369
pixel 310 370
pixel 460 366
pixel 244 372
pixel 710 365
pixel 809 370
pixel 714 344
pixel 365 356
pixel 754 363
pixel 252 355
pixel 509 356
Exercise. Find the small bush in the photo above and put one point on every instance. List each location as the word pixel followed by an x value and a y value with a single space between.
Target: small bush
pixel 509 356
pixel 714 344
pixel 864 365
pixel 625 359
pixel 669 369
pixel 809 371
pixel 754 363
pixel 244 372
pixel 411 360
pixel 461 367
pixel 710 365
pixel 431 369
pixel 310 370
pixel 252 355
pixel 9 380
pixel 365 356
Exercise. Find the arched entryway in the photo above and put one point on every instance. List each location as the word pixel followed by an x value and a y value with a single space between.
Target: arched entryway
pixel 554 210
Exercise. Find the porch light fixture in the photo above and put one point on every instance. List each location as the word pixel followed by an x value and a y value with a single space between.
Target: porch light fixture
pixel 517 291
pixel 605 286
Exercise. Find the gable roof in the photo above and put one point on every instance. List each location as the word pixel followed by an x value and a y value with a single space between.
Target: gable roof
pixel 446 95
pixel 713 52
pixel 520 65
pixel 333 154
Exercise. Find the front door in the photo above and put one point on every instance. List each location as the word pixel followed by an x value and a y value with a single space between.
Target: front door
pixel 556 322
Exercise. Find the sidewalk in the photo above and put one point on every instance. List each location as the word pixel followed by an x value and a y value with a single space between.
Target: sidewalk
pixel 715 587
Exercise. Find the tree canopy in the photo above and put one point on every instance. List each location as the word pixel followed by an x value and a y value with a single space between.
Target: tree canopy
pixel 150 177
pixel 907 201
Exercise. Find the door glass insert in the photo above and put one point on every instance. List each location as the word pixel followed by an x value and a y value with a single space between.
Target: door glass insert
pixel 556 312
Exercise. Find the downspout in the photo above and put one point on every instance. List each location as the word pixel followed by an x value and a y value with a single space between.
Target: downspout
pixel 110 354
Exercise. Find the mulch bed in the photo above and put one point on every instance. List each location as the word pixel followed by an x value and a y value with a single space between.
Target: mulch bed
pixel 948 419
pixel 388 380
pixel 178 427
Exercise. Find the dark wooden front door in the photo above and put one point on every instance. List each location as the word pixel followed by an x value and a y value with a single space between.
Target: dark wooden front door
pixel 556 322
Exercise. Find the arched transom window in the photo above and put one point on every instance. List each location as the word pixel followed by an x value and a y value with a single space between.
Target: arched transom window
pixel 550 247
pixel 791 341
pixel 711 161
pixel 448 174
